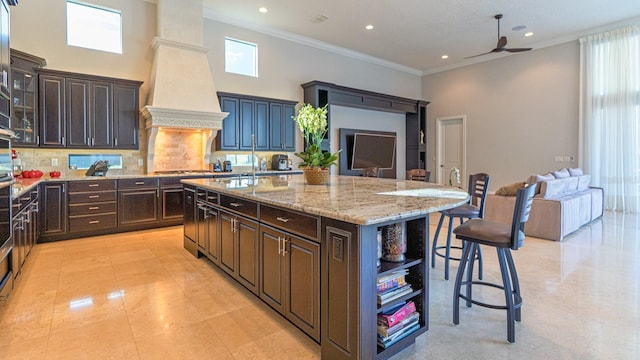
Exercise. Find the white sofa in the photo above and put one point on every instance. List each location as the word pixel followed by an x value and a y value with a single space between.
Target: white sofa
pixel 564 202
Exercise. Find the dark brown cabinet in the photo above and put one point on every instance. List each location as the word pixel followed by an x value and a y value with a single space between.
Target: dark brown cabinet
pixel 53 204
pixel 25 231
pixel 416 144
pixel 24 95
pixel 92 205
pixel 239 249
pixel 290 277
pixel 51 95
pixel 189 221
pixel 138 201
pixel 86 111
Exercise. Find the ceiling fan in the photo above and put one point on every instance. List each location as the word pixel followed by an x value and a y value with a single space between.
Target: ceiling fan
pixel 502 42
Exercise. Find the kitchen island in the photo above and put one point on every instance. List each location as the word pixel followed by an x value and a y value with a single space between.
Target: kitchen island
pixel 310 251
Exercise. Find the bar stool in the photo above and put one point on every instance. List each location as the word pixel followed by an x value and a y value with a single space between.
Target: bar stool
pixel 478 186
pixel 418 175
pixel 371 172
pixel 504 238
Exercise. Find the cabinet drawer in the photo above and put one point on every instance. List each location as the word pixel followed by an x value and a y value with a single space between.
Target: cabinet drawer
pixel 96 208
pixel 92 222
pixel 170 181
pixel 91 185
pixel 241 206
pixel 137 183
pixel 92 197
pixel 207 196
pixel 290 221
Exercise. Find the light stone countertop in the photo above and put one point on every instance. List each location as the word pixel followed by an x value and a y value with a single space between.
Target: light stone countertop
pixel 353 199
pixel 22 185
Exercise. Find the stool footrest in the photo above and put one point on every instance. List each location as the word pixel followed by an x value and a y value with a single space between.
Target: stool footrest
pixel 517 299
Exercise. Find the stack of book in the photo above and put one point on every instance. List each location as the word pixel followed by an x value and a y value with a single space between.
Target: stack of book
pixel 397 323
pixel 392 286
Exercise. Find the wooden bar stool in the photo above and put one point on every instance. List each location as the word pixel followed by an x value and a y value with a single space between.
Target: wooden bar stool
pixel 418 175
pixel 371 172
pixel 478 186
pixel 504 238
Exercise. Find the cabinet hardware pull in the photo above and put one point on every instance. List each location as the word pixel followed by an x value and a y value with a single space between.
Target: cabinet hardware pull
pixel 94 185
pixel 279 245
pixel 234 204
pixel 200 194
pixel 139 182
pixel 94 208
pixel 283 219
pixel 94 221
pixel 284 246
pixel 211 197
pixel 115 141
pixel 94 196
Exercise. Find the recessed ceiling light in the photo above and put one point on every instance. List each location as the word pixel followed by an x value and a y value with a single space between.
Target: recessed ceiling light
pixel 528 34
pixel 369 27
pixel 263 10
pixel 518 28
pixel 445 56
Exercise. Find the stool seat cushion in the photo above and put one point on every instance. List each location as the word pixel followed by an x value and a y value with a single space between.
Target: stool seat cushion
pixel 466 211
pixel 485 232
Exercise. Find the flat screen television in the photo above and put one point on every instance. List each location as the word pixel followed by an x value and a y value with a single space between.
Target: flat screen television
pixel 373 150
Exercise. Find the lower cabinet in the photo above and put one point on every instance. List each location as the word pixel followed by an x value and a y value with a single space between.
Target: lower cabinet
pixel 189 222
pixel 290 277
pixel 53 220
pixel 25 228
pixel 138 201
pixel 239 249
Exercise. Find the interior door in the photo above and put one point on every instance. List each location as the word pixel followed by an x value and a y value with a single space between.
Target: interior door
pixel 451 149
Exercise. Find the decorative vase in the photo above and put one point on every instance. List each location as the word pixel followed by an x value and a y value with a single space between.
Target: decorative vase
pixel 316 176
pixel 394 243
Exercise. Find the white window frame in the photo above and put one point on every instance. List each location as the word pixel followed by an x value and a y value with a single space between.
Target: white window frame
pixel 116 49
pixel 228 61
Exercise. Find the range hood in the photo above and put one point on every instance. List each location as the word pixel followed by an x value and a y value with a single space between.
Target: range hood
pixel 182 96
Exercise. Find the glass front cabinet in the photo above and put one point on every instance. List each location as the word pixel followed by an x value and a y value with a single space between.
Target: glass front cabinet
pixel 24 89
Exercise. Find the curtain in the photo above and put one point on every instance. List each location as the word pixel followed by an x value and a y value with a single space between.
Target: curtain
pixel 609 121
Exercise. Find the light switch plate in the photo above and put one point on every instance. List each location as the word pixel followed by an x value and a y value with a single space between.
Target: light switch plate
pixel 54 161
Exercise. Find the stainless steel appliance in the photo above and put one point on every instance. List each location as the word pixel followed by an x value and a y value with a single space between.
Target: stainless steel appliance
pixel 227 166
pixel 6 241
pixel 280 162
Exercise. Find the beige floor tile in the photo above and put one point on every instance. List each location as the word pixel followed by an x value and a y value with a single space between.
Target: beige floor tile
pixel 29 349
pixel 282 345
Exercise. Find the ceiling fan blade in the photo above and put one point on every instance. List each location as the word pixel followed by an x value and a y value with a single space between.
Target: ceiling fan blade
pixel 517 49
pixel 472 56
pixel 502 42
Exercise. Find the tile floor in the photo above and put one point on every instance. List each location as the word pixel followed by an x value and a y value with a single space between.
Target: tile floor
pixel 141 296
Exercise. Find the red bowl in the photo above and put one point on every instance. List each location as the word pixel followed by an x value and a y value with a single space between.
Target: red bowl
pixel 54 174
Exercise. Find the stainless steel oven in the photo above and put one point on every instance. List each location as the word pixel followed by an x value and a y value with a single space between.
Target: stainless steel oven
pixel 6 240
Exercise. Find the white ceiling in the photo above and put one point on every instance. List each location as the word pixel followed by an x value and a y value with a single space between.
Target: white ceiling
pixel 412 35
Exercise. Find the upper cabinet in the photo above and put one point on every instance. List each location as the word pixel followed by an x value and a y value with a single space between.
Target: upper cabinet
pixel 85 111
pixel 262 119
pixel 5 91
pixel 24 97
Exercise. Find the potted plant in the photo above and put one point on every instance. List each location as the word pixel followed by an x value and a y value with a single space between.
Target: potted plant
pixel 315 164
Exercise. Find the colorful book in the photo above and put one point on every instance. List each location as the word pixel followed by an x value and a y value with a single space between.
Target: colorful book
pixel 392 275
pixel 390 319
pixel 394 294
pixel 386 331
pixel 401 335
pixel 391 284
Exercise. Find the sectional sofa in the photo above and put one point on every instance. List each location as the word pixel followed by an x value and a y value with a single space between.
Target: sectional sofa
pixel 563 203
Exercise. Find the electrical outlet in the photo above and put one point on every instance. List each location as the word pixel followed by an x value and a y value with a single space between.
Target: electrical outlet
pixel 140 162
pixel 54 161
pixel 558 158
pixel 572 158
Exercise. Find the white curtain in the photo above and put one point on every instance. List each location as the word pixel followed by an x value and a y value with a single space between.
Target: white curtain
pixel 610 115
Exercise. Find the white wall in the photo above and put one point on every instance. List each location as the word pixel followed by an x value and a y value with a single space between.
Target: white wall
pixel 522 111
pixel 39 27
pixel 352 118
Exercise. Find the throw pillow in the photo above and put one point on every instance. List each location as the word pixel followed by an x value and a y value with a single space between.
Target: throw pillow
pixel 575 172
pixel 561 174
pixel 511 189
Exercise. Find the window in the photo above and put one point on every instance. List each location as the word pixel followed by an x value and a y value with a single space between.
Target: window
pixel 241 57
pixel 94 27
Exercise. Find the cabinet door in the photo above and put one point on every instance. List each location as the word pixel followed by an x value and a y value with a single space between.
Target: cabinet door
pixel 275 126
pixel 24 108
pixel 52 111
pixel 303 284
pixel 126 118
pixel 53 209
pixel 201 223
pixel 261 125
pixel 77 111
pixel 172 204
pixel 101 114
pixel 230 133
pixel 137 206
pixel 213 243
pixel 272 266
pixel 247 109
pixel 247 238
pixel 288 128
pixel 190 214
pixel 227 243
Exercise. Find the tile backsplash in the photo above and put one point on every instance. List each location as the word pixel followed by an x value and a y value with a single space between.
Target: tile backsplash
pixel 41 159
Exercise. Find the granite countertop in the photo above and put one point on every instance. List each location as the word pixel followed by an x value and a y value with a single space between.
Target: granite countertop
pixel 22 185
pixel 358 200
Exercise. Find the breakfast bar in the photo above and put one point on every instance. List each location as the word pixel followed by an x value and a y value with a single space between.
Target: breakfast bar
pixel 311 251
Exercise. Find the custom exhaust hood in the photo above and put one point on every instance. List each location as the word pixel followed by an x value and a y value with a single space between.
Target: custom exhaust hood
pixel 182 98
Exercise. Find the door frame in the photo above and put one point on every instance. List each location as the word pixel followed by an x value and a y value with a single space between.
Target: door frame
pixel 441 121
